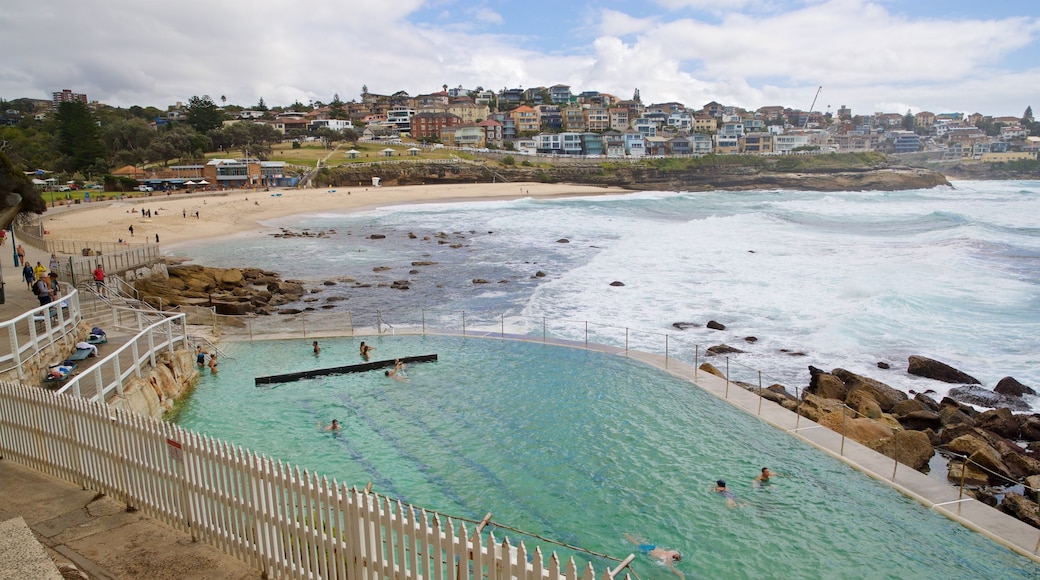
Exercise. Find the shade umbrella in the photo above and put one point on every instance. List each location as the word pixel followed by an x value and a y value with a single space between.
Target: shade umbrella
pixel 189 183
pixel 203 182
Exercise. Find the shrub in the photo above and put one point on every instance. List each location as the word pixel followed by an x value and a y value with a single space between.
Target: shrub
pixel 508 160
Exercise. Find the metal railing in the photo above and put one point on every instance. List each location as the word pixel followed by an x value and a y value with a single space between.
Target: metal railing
pixel 284 521
pixel 22 337
pixel 109 375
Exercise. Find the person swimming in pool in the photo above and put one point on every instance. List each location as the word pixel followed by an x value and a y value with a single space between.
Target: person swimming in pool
pixel 763 477
pixel 398 373
pixel 665 557
pixel 366 350
pixel 731 498
pixel 317 349
pixel 334 426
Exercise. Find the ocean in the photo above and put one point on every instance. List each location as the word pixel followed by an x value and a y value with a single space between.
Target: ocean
pixel 848 279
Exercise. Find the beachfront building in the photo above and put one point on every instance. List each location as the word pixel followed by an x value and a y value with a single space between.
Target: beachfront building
pixel 238 173
pixel 508 126
pixel 573 118
pixel 596 118
pixel 700 144
pixel 635 145
pixel 467 111
pixel 705 124
pixel 432 125
pixel 592 144
pixel 613 144
pixel 758 143
pixel 401 117
pixel 619 118
pixel 464 135
pixel 492 132
pixel 567 143
pixel 549 117
pixel 67 96
pixel 787 143
pixel 334 124
pixel 726 144
pixel 526 119
pixel 560 94
pixel 905 141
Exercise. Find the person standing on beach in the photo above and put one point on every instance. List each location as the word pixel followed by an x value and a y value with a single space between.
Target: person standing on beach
pixel 131 228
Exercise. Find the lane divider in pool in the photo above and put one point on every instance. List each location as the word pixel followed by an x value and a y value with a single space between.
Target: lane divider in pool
pixel 358 368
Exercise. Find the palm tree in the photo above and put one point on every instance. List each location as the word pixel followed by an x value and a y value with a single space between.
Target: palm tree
pixel 223 100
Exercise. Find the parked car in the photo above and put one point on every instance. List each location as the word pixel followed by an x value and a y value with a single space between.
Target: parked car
pixel 145 188
pixel 64 188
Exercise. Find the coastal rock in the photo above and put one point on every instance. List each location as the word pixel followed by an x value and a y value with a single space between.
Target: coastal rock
pixel 920 420
pixel 863 430
pixel 751 339
pixel 826 385
pixel 721 349
pixel 479 281
pixel 715 325
pixel 1010 387
pixel 928 401
pixel 685 325
pixel 864 404
pixel 933 369
pixel 539 274
pixel 912 448
pixel 377 237
pixel 883 365
pixel 1021 465
pixel 1021 507
pixel 710 369
pixel 886 396
pixel 953 415
pixel 968 473
pixel 1030 427
pixel 563 241
pixel 1000 421
pixel 980 397
pixel 969 443
pixel 815 407
pixel 617 283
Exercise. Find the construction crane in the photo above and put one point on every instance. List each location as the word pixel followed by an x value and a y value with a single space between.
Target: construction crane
pixel 811 106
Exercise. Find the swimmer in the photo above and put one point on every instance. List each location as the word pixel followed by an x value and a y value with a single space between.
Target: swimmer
pixel 765 475
pixel 665 557
pixel 334 426
pixel 200 357
pixel 317 349
pixel 398 373
pixel 366 350
pixel 731 498
pixel 213 363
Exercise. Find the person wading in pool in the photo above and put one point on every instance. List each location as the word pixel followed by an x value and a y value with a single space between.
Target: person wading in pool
pixel 398 373
pixel 665 557
pixel 763 478
pixel 366 350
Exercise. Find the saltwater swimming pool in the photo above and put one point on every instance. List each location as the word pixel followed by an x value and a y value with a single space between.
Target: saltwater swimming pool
pixel 583 447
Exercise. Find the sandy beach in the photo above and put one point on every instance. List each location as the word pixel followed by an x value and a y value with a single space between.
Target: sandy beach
pixel 241 211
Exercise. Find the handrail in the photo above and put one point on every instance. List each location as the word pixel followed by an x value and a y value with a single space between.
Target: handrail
pixel 24 335
pixel 142 349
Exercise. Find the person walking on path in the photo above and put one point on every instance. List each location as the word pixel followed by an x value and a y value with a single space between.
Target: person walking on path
pixel 43 291
pixel 54 265
pixel 39 270
pixel 29 275
pixel 99 279
pixel 21 253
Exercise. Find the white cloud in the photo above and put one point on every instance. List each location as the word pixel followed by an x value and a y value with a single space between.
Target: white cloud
pixel 125 52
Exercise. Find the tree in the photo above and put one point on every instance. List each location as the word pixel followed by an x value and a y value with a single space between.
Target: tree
pixel 350 136
pixel 1027 117
pixel 203 114
pixel 336 109
pixel 128 139
pixel 261 106
pixel 908 121
pixel 328 136
pixel 223 100
pixel 635 96
pixel 79 138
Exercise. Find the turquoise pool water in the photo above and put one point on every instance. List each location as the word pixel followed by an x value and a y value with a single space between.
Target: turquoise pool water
pixel 583 447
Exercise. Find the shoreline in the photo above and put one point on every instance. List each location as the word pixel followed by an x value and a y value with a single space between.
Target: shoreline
pixel 244 211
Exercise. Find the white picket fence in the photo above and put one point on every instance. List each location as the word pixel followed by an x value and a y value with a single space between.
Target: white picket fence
pixel 283 521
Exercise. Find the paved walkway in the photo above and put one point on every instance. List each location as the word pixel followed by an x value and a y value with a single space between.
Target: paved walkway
pixel 97 534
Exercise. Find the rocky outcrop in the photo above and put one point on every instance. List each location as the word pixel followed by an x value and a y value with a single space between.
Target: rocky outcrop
pixel 231 291
pixel 832 173
pixel 933 369
pixel 157 390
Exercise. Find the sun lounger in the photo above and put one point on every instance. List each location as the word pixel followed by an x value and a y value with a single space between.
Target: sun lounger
pixel 98 338
pixel 80 354
pixel 56 381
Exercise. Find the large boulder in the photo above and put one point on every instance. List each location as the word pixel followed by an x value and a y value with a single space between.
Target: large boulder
pixel 865 431
pixel 928 401
pixel 1000 421
pixel 920 420
pixel 885 395
pixel 968 473
pixel 1021 465
pixel 913 448
pixel 721 349
pixel 1022 508
pixel 815 407
pixel 933 369
pixel 968 443
pixel 1030 427
pixel 982 397
pixel 710 369
pixel 1012 388
pixel 864 404
pixel 826 385
pixel 953 415
pixel 988 458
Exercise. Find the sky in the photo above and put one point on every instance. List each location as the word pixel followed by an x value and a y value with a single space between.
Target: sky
pixel 870 55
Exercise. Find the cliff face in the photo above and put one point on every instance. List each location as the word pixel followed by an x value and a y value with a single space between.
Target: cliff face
pixel 639 176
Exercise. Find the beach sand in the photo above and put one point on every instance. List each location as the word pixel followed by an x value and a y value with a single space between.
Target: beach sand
pixel 240 211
